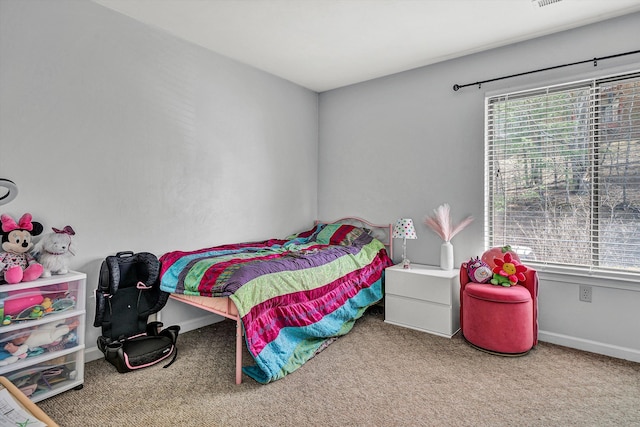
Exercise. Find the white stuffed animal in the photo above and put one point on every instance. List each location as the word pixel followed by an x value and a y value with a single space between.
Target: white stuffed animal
pixel 43 336
pixel 54 250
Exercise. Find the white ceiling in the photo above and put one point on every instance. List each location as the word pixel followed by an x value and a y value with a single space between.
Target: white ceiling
pixel 326 44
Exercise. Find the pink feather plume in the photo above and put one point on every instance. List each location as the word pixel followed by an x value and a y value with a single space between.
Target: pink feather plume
pixel 442 225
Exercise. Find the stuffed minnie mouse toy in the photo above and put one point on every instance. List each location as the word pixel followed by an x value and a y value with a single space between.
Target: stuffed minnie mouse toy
pixel 16 263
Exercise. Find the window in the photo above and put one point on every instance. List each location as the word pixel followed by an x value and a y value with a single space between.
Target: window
pixel 563 173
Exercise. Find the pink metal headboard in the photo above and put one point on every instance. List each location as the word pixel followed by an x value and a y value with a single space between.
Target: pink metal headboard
pixel 386 228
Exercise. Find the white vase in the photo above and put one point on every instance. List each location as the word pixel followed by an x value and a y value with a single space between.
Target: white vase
pixel 446 256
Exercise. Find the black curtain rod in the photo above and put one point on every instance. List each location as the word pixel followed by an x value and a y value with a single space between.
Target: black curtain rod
pixel 594 60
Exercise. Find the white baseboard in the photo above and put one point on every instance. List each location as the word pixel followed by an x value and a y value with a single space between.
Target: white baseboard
pixel 94 353
pixel 590 346
pixel 200 322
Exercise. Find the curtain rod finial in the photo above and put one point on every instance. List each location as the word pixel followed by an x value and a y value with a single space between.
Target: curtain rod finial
pixel 456 87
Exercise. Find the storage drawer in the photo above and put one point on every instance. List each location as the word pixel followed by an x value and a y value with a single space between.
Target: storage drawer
pixel 21 304
pixel 42 334
pixel 415 285
pixel 47 378
pixel 20 345
pixel 417 314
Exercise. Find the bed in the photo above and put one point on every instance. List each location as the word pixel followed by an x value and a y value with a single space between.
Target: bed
pixel 290 297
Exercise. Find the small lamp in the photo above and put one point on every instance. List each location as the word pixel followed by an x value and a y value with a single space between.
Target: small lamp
pixel 404 230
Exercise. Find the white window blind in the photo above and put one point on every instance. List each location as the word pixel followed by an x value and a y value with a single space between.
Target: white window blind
pixel 562 168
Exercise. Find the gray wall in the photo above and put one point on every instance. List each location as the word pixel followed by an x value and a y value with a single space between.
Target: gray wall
pixel 401 145
pixel 143 142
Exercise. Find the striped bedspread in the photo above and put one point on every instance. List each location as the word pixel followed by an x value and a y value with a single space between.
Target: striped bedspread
pixel 294 295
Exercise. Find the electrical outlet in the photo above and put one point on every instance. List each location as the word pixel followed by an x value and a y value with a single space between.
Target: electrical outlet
pixel 585 293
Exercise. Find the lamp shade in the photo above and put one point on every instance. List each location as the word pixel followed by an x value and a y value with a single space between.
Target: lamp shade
pixel 404 229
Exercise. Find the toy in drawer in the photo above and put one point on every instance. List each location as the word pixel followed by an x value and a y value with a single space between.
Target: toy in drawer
pixel 45 377
pixel 34 303
pixel 33 341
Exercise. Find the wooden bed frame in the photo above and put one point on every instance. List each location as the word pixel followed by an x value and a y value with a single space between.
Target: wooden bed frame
pixel 225 307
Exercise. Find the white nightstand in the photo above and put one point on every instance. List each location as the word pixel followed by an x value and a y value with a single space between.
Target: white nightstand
pixel 423 297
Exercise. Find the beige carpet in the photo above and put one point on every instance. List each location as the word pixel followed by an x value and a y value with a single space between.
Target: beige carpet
pixel 378 375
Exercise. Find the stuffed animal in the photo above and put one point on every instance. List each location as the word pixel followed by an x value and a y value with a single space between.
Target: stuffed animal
pixel 55 250
pixel 478 271
pixel 16 263
pixel 498 252
pixel 508 271
pixel 43 337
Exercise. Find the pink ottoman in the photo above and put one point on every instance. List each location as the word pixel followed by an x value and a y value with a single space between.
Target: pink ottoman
pixel 499 319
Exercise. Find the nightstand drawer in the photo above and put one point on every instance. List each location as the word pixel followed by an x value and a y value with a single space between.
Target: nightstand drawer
pixel 420 315
pixel 423 297
pixel 412 284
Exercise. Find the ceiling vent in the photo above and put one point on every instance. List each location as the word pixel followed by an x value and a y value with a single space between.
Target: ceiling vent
pixel 541 3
